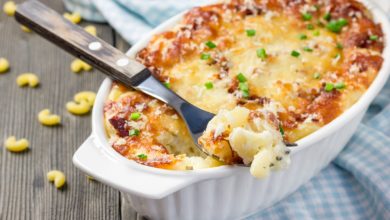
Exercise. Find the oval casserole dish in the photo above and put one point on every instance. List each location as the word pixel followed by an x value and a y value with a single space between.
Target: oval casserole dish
pixel 230 190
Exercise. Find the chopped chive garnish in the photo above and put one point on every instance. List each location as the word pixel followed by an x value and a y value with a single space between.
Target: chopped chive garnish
pixel 241 77
pixel 329 87
pixel 281 129
pixel 167 84
pixel 339 85
pixel 303 36
pixel 261 53
pixel 316 75
pixel 337 56
pixel 336 25
pixel 250 32
pixel 209 85
pixel 244 88
pixel 295 53
pixel 135 115
pixel 308 49
pixel 339 46
pixel 374 37
pixel 310 27
pixel 316 33
pixel 142 156
pixel 245 94
pixel 307 16
pixel 205 56
pixel 134 132
pixel 327 16
pixel 210 44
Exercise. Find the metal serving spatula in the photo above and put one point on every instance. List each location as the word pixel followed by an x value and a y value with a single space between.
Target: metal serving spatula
pixel 52 26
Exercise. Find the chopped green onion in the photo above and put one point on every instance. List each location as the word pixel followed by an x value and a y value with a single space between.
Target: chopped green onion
pixel 337 56
pixel 205 56
pixel 210 44
pixel 245 94
pixel 316 33
pixel 167 84
pixel 135 115
pixel 308 49
pixel 295 53
pixel 303 36
pixel 261 53
pixel 327 16
pixel 250 32
pixel 307 16
pixel 336 25
pixel 281 129
pixel 241 77
pixel 244 88
pixel 339 46
pixel 142 156
pixel 310 27
pixel 329 87
pixel 316 75
pixel 374 37
pixel 209 85
pixel 134 132
pixel 339 85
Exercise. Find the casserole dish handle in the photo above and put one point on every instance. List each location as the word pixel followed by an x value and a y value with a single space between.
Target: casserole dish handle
pixel 92 160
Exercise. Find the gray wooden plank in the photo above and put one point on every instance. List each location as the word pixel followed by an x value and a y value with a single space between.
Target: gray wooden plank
pixel 24 191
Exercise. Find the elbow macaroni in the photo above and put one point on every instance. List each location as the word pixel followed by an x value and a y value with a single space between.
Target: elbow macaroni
pixel 78 65
pixel 9 8
pixel 48 119
pixel 253 135
pixel 75 18
pixel 83 102
pixel 4 65
pixel 57 177
pixel 29 79
pixel 14 145
pixel 90 29
pixel 80 108
pixel 87 96
pixel 25 29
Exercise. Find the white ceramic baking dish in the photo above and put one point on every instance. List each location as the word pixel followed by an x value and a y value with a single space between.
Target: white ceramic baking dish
pixel 226 192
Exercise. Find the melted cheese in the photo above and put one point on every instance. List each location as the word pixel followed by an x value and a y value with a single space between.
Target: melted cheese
pixel 305 82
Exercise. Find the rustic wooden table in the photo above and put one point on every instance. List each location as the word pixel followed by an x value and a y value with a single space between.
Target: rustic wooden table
pixel 24 191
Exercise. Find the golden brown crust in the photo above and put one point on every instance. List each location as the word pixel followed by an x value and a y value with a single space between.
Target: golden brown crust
pixel 173 56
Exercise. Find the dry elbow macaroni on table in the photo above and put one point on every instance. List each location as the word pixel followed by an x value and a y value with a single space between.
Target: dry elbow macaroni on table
pixel 75 18
pixel 46 118
pixel 91 29
pixel 16 146
pixel 83 101
pixel 9 8
pixel 58 177
pixel 78 65
pixel 29 79
pixel 4 65
pixel 82 104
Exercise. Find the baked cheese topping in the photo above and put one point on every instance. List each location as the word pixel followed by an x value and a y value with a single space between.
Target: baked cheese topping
pixel 149 132
pixel 307 60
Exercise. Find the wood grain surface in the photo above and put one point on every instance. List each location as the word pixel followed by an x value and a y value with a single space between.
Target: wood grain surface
pixel 24 191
